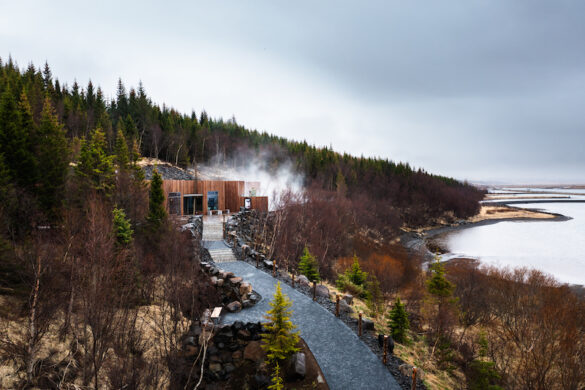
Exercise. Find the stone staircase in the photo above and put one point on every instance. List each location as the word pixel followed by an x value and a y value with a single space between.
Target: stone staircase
pixel 212 238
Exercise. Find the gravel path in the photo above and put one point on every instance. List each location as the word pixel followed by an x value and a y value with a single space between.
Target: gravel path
pixel 345 360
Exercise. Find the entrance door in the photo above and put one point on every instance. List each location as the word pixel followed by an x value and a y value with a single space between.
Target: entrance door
pixel 199 203
pixel 188 205
pixel 212 200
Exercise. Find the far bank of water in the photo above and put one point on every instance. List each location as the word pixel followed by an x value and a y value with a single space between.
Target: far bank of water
pixel 555 247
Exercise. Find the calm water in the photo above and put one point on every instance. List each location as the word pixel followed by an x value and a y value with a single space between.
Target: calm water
pixel 557 248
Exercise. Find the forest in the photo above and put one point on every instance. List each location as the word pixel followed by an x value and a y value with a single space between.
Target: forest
pixel 89 259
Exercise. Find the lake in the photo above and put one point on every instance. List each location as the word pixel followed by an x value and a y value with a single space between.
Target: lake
pixel 555 247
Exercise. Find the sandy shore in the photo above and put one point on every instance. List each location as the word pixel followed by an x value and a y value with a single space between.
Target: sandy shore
pixel 498 212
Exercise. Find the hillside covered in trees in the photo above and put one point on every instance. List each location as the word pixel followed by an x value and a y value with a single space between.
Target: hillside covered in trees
pixel 394 193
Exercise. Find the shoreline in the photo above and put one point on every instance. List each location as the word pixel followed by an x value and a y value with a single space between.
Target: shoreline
pixel 428 239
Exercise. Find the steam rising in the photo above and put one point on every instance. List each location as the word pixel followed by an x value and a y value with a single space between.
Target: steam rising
pixel 256 168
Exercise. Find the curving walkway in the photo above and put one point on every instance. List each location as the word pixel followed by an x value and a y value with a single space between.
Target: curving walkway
pixel 345 360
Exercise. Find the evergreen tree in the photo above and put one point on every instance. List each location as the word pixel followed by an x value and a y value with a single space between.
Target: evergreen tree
pixel 355 274
pixel 122 227
pixel 398 321
pixel 276 379
pixel 156 209
pixel 53 161
pixel 308 266
pixel 375 299
pixel 438 285
pixel 121 150
pixel 95 166
pixel 16 128
pixel 280 340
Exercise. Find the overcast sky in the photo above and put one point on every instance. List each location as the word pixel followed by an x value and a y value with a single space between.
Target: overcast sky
pixel 478 90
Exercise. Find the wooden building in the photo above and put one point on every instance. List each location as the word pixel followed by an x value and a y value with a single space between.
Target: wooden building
pixel 189 197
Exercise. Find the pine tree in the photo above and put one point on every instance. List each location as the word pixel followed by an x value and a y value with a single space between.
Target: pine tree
pixel 438 285
pixel 156 210
pixel 398 321
pixel 280 340
pixel 276 379
pixel 122 227
pixel 16 129
pixel 95 166
pixel 375 299
pixel 121 150
pixel 355 274
pixel 308 266
pixel 52 154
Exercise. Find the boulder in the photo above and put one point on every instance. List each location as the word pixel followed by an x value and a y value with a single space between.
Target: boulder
pixel 228 368
pixel 214 367
pixel 344 307
pixel 235 280
pixel 235 306
pixel 219 282
pixel 254 297
pixel 406 370
pixel 189 340
pixel 268 264
pixel 245 288
pixel 297 368
pixel 367 324
pixel 348 298
pixel 302 279
pixel 213 280
pixel 254 352
pixel 244 334
pixel 237 325
pixel 322 291
pixel 227 275
pixel 262 381
pixel 246 303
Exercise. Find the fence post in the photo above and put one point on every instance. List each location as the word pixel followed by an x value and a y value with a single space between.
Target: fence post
pixel 360 324
pixel 314 291
pixel 274 268
pixel 413 378
pixel 337 305
pixel 385 349
pixel 293 279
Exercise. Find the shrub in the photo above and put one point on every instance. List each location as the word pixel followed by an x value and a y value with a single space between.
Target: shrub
pixel 398 321
pixel 308 266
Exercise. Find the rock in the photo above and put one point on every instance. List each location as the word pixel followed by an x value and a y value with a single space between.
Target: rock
pixel 213 280
pixel 227 275
pixel 302 279
pixel 237 355
pixel 219 282
pixel 235 306
pixel 226 357
pixel 406 370
pixel 344 307
pixel 214 271
pixel 245 248
pixel 254 297
pixel 237 325
pixel 322 291
pixel 262 381
pixel 195 330
pixel 297 368
pixel 228 368
pixel 235 280
pixel 348 298
pixel 214 367
pixel 367 324
pixel 390 343
pixel 189 340
pixel 254 352
pixel 190 351
pixel 246 303
pixel 268 264
pixel 245 288
pixel 244 334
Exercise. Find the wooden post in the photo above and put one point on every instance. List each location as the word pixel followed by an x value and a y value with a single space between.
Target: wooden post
pixel 314 291
pixel 385 349
pixel 293 279
pixel 274 268
pixel 413 378
pixel 337 305
pixel 360 324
